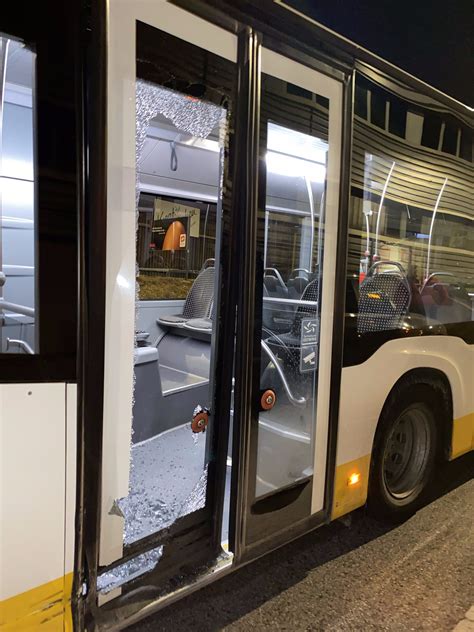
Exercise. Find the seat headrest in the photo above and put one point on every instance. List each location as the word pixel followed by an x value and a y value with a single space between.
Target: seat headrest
pixel 298 283
pixel 270 282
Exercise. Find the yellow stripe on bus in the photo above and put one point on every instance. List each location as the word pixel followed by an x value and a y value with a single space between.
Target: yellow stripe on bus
pixel 463 435
pixel 47 607
pixel 352 478
pixel 350 486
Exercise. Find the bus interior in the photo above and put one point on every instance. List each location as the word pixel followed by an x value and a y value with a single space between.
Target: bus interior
pixel 179 184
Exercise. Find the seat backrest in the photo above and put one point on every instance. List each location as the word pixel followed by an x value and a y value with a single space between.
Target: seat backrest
pixel 274 287
pixel 277 316
pixel 200 298
pixel 296 287
pixel 384 300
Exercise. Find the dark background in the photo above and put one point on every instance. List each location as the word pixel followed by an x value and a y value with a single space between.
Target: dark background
pixel 431 39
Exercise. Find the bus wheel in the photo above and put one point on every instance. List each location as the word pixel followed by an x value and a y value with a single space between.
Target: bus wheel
pixel 405 450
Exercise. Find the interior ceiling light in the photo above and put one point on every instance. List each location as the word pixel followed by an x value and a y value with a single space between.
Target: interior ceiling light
pixel 303 146
pixel 285 165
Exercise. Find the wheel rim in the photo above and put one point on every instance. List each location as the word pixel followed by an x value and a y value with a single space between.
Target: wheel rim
pixel 407 453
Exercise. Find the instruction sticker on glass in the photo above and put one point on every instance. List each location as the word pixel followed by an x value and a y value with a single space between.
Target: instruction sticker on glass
pixel 309 344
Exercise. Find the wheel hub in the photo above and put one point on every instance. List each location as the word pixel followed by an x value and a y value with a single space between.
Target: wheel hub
pixel 407 452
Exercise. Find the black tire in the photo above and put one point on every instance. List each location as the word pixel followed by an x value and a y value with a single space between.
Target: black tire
pixel 406 450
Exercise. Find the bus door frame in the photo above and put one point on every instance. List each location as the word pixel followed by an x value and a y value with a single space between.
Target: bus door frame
pixel 93 204
pixel 96 549
pixel 246 393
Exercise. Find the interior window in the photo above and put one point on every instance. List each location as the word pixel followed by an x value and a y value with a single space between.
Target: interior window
pixel 176 235
pixel 18 295
pixel 292 243
pixel 179 153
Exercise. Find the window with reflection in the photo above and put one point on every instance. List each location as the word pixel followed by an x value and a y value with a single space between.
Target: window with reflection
pixel 294 150
pixel 18 295
pixel 411 233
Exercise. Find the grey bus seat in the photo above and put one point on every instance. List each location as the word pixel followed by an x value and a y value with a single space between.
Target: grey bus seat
pixel 287 346
pixel 274 288
pixel 274 283
pixel 296 287
pixel 198 302
pixel 199 324
pixel 298 281
pixel 292 338
pixel 201 327
pixel 384 302
pixel 277 316
pixel 170 380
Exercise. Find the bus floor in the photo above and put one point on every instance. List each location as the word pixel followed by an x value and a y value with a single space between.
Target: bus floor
pixel 168 480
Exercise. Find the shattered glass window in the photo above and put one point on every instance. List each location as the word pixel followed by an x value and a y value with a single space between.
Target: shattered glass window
pixel 183 105
pixel 178 145
pixel 179 150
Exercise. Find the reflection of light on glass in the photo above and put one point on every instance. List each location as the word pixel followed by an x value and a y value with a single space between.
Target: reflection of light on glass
pixel 13 168
pixel 17 198
pixel 292 143
pixel 20 221
pixel 122 282
pixel 285 165
pixel 379 212
pixel 435 210
pixel 294 154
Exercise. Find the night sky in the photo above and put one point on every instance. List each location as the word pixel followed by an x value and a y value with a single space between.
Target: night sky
pixel 432 40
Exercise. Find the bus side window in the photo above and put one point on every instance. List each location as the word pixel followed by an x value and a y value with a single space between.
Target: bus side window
pixel 411 232
pixel 18 300
pixel 168 268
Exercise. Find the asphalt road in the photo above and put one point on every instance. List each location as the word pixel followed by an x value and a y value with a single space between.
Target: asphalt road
pixel 415 576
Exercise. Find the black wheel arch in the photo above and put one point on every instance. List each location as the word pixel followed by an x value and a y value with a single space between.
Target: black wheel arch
pixel 439 383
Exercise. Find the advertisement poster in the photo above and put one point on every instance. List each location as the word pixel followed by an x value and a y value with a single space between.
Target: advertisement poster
pixel 173 225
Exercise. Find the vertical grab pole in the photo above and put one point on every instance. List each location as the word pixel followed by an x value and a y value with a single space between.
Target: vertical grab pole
pixel 311 210
pixel 382 199
pixel 435 210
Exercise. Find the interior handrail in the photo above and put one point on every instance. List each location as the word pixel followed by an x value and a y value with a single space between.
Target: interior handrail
pixel 17 309
pixel 20 343
pixel 297 401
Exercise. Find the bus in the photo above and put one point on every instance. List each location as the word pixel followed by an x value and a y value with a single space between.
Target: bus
pixel 236 296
